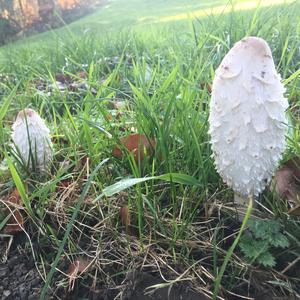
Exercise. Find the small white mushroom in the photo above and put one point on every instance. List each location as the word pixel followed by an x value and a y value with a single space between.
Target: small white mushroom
pixel 247 117
pixel 32 141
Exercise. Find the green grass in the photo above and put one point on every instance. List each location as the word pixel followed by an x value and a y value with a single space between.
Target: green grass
pixel 160 64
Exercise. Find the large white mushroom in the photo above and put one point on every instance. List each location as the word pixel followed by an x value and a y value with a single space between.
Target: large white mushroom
pixel 32 140
pixel 247 118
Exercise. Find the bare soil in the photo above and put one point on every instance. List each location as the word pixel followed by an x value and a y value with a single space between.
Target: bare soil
pixel 21 279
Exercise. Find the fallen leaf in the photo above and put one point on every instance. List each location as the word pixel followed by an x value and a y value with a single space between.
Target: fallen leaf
pixel 63 78
pixel 119 115
pixel 294 164
pixel 138 144
pixel 82 74
pixel 286 181
pixel 207 86
pixel 108 117
pixel 117 105
pixel 16 221
pixel 125 216
pixel 15 198
pixel 82 163
pixel 295 211
pixel 77 268
pixel 64 185
pixel 59 139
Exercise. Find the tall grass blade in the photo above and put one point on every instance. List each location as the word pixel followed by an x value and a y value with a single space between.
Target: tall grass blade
pixel 127 183
pixel 69 227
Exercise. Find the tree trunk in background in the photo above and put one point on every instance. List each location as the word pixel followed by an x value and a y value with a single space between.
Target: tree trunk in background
pixel 46 10
pixel 68 4
pixel 26 12
pixel 19 15
pixel 23 12
pixel 9 26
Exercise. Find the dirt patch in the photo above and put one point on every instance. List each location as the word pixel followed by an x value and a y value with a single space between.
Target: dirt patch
pixel 19 276
pixel 173 292
pixel 21 279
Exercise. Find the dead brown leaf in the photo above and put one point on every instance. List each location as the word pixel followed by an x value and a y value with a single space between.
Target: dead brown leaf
pixel 128 221
pixel 125 216
pixel 59 139
pixel 286 181
pixel 64 185
pixel 76 269
pixel 82 74
pixel 205 85
pixel 63 78
pixel 16 221
pixel 108 117
pixel 295 211
pixel 138 144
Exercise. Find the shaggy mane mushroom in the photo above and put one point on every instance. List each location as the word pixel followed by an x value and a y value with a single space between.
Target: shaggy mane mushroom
pixel 247 118
pixel 32 141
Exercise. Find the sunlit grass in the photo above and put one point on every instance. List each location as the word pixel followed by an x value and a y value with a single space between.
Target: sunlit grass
pixel 217 10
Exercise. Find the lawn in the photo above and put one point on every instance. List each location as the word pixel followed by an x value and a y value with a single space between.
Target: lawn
pixel 141 69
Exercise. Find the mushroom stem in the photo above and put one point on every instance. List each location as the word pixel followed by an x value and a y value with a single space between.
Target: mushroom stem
pixel 241 203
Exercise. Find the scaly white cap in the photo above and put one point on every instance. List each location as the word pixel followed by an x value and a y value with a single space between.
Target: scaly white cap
pixel 247 117
pixel 31 137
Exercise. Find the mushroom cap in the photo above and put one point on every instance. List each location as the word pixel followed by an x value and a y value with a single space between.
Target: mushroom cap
pixel 32 139
pixel 247 117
